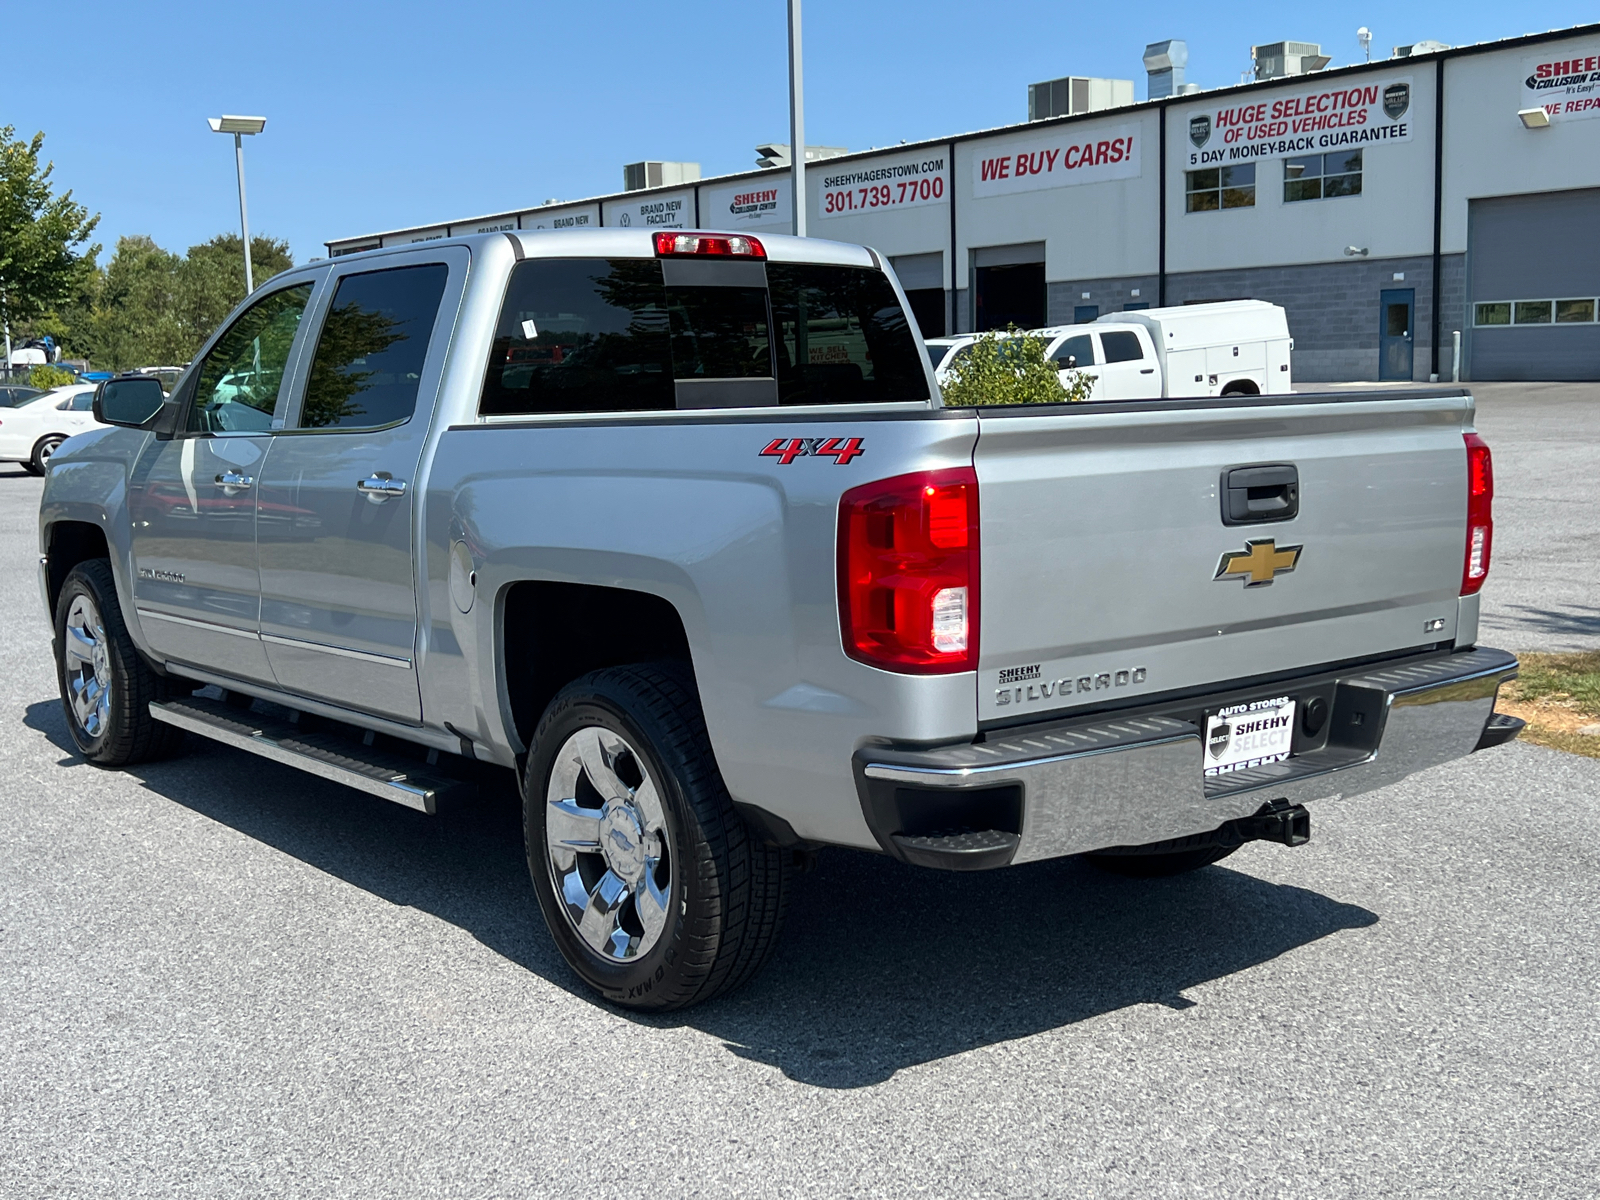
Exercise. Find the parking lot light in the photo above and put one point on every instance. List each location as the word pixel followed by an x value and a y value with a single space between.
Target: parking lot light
pixel 239 126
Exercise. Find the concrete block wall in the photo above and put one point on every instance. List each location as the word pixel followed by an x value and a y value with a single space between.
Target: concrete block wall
pixel 1112 295
pixel 1333 309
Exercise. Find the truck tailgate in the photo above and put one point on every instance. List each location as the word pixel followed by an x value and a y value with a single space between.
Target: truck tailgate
pixel 1103 537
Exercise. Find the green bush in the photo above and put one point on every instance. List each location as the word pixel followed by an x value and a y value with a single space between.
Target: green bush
pixel 1009 368
pixel 46 377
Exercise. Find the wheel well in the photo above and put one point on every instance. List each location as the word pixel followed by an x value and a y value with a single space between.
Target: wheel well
pixel 554 632
pixel 1241 387
pixel 72 542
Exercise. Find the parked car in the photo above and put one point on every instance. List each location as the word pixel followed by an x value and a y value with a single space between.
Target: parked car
pixel 717 601
pixel 13 394
pixel 33 431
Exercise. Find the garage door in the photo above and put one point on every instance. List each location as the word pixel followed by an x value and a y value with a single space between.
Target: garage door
pixel 1008 286
pixel 1533 267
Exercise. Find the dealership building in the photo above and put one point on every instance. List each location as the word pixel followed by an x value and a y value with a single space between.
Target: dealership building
pixel 1398 209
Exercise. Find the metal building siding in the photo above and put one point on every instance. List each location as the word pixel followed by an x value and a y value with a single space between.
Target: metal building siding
pixel 1534 247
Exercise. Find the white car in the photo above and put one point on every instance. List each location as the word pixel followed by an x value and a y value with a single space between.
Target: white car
pixel 943 352
pixel 30 433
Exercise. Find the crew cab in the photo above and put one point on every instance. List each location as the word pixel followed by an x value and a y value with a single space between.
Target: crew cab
pixel 674 526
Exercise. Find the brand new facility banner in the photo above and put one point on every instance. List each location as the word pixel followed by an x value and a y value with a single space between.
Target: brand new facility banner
pixel 1334 117
pixel 1565 83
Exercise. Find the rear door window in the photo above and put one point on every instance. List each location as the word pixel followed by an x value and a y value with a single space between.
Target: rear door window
pixel 367 368
pixel 842 337
pixel 1121 346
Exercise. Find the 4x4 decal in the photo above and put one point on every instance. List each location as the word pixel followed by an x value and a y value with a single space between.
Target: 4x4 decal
pixel 786 450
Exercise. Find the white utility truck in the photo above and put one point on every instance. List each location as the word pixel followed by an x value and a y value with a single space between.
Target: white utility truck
pixel 1233 348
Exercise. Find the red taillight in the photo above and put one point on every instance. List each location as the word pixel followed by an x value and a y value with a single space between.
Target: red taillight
pixel 908 572
pixel 1480 517
pixel 707 244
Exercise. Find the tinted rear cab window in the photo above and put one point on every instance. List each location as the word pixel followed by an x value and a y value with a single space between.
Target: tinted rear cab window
pixel 619 335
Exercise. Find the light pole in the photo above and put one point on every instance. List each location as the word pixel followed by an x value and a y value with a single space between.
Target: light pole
pixel 239 126
pixel 797 122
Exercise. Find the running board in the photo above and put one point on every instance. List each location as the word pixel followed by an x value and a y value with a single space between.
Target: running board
pixel 391 776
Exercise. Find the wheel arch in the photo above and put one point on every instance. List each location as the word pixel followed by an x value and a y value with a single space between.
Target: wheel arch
pixel 597 626
pixel 1241 387
pixel 66 544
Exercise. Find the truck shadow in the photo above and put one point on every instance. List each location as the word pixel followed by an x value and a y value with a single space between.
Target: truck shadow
pixel 881 966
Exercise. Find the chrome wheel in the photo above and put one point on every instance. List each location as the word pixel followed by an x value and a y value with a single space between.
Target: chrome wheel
pixel 87 667
pixel 606 844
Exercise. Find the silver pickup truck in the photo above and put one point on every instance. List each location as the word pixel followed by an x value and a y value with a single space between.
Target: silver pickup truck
pixel 675 526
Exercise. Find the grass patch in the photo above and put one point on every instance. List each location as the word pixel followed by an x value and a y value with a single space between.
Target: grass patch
pixel 1558 695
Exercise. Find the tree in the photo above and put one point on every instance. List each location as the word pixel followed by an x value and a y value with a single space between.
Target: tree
pixel 1005 368
pixel 40 232
pixel 155 308
pixel 211 279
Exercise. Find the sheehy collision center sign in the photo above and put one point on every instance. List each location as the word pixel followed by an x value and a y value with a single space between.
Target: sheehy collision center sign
pixel 761 203
pixel 1309 122
pixel 1567 87
pixel 890 183
pixel 1071 155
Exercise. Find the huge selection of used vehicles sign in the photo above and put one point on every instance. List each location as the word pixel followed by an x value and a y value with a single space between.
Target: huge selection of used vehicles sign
pixel 1345 116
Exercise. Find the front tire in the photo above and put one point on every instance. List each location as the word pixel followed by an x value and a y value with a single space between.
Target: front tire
pixel 106 686
pixel 655 891
pixel 40 462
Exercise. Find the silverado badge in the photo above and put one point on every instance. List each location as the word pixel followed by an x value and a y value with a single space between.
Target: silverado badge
pixel 1259 563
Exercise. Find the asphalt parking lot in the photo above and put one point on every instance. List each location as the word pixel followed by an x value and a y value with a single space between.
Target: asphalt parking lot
pixel 221 977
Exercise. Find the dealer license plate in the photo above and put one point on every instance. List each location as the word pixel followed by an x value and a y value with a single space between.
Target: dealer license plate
pixel 1247 735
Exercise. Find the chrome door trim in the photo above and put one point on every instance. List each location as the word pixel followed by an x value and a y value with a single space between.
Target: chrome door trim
pixel 342 651
pixel 209 626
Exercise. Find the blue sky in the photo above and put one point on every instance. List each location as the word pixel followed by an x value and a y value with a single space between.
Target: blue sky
pixel 385 115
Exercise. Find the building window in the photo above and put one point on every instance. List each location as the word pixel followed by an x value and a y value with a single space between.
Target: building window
pixel 1535 312
pixel 1221 187
pixel 1322 176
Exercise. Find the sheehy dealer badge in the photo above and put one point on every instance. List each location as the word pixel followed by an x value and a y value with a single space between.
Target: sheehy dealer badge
pixel 1242 736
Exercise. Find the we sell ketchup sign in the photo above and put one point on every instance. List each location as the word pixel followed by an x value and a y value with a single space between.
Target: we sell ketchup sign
pixel 1070 155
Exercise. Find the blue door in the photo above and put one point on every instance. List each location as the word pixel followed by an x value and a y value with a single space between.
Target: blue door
pixel 1396 308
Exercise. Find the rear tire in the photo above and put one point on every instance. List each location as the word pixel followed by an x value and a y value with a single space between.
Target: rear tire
pixel 1157 866
pixel 106 685
pixel 655 891
pixel 40 462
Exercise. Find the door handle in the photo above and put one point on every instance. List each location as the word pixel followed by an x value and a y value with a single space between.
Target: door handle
pixel 380 486
pixel 232 482
pixel 1255 495
pixel 1147 370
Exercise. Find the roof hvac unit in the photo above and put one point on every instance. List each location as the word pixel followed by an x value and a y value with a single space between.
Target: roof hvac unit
pixel 640 175
pixel 1076 94
pixel 1280 59
pixel 1427 46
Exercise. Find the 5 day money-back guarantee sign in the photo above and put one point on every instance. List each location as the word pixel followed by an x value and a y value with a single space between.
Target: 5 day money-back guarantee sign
pixel 1346 116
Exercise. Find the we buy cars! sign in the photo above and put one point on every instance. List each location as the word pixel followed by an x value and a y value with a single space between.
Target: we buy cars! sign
pixel 1301 122
pixel 1565 85
pixel 1069 156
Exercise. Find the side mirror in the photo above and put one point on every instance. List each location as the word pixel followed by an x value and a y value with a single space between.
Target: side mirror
pixel 1071 362
pixel 132 401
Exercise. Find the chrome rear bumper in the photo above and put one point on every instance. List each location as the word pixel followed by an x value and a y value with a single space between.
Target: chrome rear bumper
pixel 1067 788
